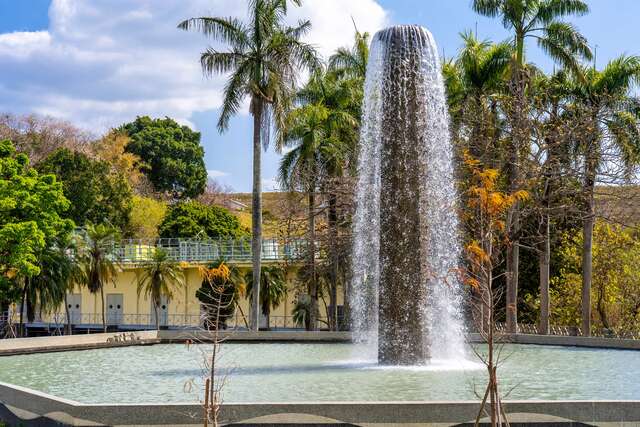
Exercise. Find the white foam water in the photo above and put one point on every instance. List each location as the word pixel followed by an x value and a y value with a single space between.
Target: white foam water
pixel 442 303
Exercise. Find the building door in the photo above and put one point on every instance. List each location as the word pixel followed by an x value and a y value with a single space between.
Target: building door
pixel 74 305
pixel 114 309
pixel 163 312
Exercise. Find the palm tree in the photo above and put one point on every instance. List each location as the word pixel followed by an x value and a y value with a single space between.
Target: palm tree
pixel 60 272
pixel 538 20
pixel 321 135
pixel 610 121
pixel 551 95
pixel 273 289
pixel 160 276
pixel 473 82
pixel 46 291
pixel 98 264
pixel 264 59
pixel 351 63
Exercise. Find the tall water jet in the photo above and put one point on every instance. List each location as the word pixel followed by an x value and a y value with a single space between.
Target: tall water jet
pixel 405 295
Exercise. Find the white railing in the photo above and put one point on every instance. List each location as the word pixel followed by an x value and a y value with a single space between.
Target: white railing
pixel 135 251
pixel 147 321
pixel 528 328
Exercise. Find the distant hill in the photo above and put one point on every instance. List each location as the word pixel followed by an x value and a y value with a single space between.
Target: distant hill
pixel 619 204
pixel 282 212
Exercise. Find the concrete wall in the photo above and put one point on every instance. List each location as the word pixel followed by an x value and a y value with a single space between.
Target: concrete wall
pixel 22 405
pixel 183 304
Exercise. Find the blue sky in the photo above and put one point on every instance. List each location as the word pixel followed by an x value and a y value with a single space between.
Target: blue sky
pixel 100 65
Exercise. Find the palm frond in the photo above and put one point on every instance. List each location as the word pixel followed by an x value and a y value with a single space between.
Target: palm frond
pixel 228 30
pixel 214 62
pixel 549 10
pixel 491 8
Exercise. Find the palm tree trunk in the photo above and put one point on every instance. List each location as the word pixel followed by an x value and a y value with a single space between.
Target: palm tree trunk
pixel 313 284
pixel 517 140
pixel 256 215
pixel 22 304
pixel 333 229
pixel 590 168
pixel 104 320
pixel 544 261
pixel 587 263
pixel 155 309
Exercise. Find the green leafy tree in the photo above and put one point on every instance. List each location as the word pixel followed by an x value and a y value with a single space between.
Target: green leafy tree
pixel 99 267
pixel 159 278
pixel 171 155
pixel 96 193
pixel 264 59
pixel 31 209
pixel 194 219
pixel 273 289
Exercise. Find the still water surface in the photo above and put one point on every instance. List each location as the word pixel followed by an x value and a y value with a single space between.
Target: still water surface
pixel 318 372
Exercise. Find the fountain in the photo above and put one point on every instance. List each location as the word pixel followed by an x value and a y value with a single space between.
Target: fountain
pixel 405 295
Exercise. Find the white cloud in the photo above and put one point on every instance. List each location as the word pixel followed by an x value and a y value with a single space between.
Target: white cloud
pixel 103 62
pixel 212 173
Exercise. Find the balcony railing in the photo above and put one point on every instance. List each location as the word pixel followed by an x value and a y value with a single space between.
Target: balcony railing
pixel 127 321
pixel 136 251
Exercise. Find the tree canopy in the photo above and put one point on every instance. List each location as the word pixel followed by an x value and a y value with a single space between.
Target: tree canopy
pixel 193 219
pixel 171 155
pixel 31 215
pixel 96 193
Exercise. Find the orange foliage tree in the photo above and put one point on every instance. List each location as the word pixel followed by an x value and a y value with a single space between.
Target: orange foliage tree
pixel 487 209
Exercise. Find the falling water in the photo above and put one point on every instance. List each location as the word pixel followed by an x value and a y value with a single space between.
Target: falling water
pixel 406 299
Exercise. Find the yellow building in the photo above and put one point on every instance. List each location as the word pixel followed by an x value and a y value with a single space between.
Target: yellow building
pixel 125 309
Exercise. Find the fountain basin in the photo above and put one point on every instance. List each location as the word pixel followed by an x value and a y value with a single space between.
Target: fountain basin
pixel 277 372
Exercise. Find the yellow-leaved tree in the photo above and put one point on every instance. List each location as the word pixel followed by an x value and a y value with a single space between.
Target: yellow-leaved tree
pixel 487 209
pixel 615 291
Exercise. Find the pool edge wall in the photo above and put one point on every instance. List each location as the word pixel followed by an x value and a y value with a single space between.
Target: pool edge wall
pixel 27 407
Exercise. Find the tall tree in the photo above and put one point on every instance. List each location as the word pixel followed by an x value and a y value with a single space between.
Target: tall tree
pixel 99 268
pixel 32 206
pixel 474 82
pixel 321 134
pixel 538 20
pixel 159 278
pixel 610 119
pixel 171 155
pixel 264 58
pixel 96 193
pixel 351 63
